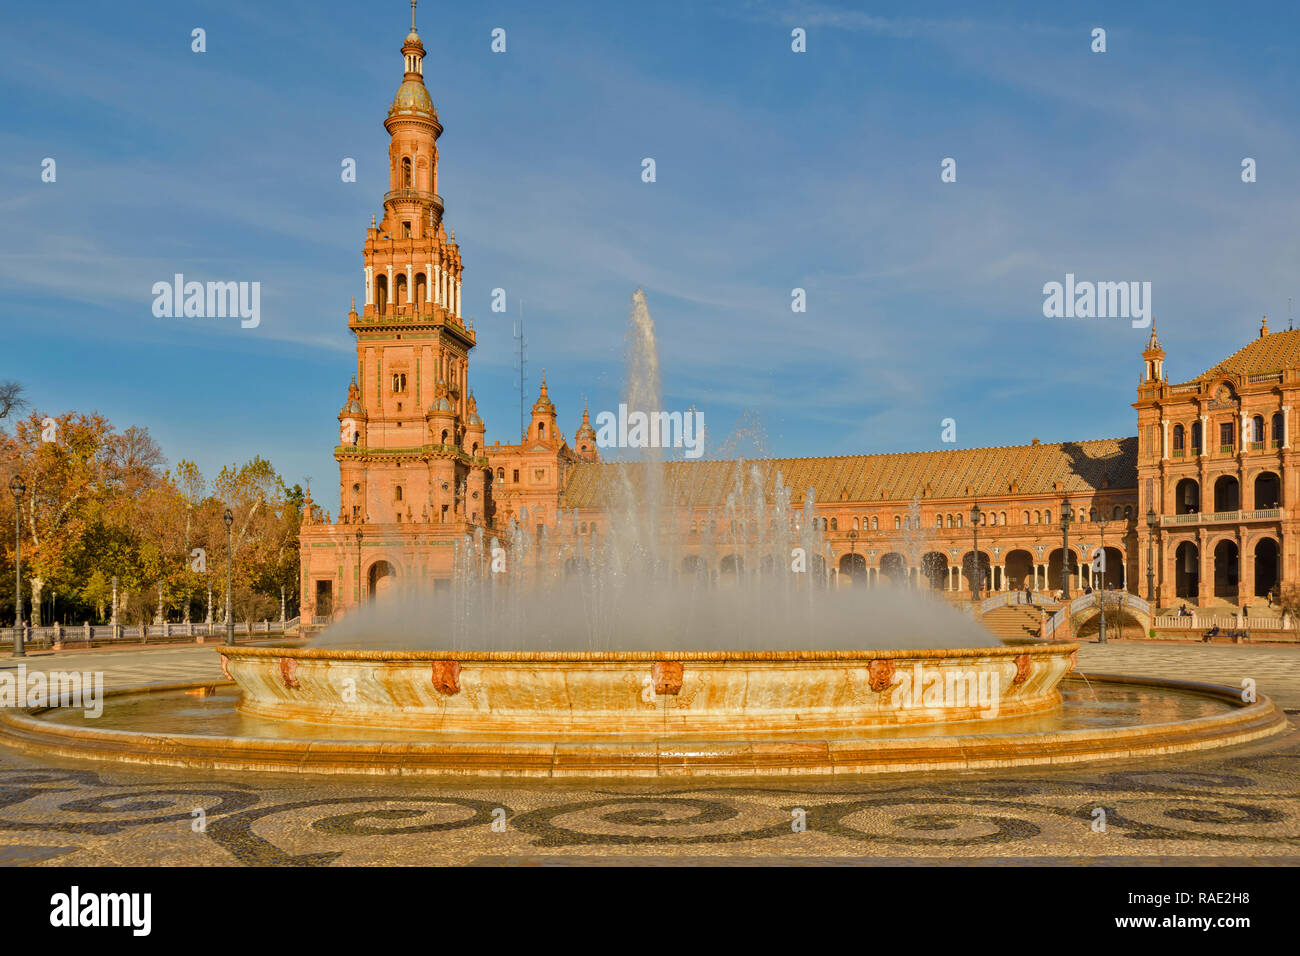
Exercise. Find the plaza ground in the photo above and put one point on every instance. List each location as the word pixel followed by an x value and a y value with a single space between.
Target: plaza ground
pixel 1229 807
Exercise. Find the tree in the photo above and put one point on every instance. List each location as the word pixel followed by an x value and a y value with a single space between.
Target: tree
pixel 64 478
pixel 11 398
pixel 97 592
pixel 1289 601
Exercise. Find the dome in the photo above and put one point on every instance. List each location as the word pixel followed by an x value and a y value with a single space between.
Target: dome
pixel 411 97
pixel 442 405
pixel 354 406
pixel 474 420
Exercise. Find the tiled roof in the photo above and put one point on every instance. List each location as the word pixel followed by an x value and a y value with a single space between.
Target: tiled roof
pixel 1268 353
pixel 957 473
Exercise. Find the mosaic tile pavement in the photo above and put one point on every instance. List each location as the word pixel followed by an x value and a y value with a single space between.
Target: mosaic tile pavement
pixel 1229 807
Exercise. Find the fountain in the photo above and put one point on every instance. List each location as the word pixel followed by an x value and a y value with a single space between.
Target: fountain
pixel 677 641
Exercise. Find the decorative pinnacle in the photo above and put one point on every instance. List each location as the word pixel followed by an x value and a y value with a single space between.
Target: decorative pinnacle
pixel 413 2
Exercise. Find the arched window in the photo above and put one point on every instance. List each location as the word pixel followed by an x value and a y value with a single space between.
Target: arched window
pixel 1047 517
pixel 1128 512
pixel 959 519
pixel 1257 429
pixel 1024 517
pixel 381 294
pixel 1115 514
pixel 399 381
pixel 949 521
pixel 835 524
pixel 938 521
pixel 501 474
pixel 1038 517
pixel 1092 514
pixel 541 429
pixel 1277 430
pixel 397 493
pixel 898 524
pixel 1197 444
pixel 1002 517
pixel 406 172
pixel 875 526
pixel 855 524
pixel 1179 437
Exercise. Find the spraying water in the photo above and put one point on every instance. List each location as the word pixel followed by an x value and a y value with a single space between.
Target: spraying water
pixel 667 571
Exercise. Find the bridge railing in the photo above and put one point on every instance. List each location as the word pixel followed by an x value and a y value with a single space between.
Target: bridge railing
pixel 92 634
pixel 1130 603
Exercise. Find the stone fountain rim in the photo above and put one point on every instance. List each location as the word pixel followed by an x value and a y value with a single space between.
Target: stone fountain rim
pixel 399 656
pixel 24 730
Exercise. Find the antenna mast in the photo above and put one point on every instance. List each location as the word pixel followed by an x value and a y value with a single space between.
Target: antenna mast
pixel 521 367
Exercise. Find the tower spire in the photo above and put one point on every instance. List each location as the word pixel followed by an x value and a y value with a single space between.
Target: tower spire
pixel 413 2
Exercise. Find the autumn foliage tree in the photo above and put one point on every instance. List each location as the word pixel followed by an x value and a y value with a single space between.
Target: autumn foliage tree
pixel 102 504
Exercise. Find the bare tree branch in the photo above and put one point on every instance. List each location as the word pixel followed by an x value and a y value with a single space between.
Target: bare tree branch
pixel 11 399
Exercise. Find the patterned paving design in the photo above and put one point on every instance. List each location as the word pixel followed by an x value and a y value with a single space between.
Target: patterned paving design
pixel 1222 808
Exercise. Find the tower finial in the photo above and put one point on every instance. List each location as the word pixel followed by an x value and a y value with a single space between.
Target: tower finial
pixel 413 15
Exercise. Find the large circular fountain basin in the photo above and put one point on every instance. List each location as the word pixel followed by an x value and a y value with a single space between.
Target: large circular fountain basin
pixel 716 694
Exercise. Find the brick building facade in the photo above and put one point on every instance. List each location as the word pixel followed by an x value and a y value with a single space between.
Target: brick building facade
pixel 1203 486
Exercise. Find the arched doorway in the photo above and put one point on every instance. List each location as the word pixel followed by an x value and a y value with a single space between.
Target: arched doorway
pixel 1187 570
pixel 1187 497
pixel 1268 491
pixel 1020 569
pixel 1266 566
pixel 893 568
pixel 1114 577
pixel 731 568
pixel 985 571
pixel 1227 494
pixel 694 567
pixel 934 567
pixel 853 566
pixel 1227 569
pixel 380 580
pixel 1054 561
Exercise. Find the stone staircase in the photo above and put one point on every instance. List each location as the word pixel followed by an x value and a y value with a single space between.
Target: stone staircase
pixel 1016 620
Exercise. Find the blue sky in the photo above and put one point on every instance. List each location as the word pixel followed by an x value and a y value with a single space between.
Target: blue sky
pixel 775 170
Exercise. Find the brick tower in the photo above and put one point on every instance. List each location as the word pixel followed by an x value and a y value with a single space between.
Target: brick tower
pixel 412 471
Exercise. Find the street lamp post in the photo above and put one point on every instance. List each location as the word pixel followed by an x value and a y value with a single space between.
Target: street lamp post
pixel 228 519
pixel 358 567
pixel 975 564
pixel 1067 515
pixel 1153 520
pixel 1101 592
pixel 853 562
pixel 18 487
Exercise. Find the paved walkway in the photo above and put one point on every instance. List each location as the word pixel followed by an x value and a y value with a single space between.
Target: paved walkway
pixel 1236 806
